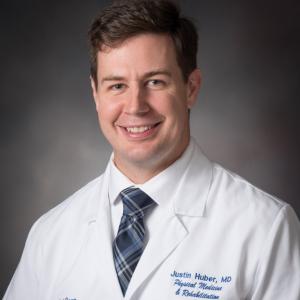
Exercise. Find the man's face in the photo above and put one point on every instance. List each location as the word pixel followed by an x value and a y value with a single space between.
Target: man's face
pixel 142 103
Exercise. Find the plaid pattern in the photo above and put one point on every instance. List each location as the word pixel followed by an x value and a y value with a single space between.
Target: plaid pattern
pixel 128 245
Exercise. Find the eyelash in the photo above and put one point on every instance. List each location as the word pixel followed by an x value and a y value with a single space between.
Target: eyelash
pixel 152 82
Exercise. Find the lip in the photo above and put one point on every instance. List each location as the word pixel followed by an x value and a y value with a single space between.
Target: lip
pixel 140 135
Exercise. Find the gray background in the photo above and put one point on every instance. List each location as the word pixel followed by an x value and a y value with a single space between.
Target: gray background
pixel 247 116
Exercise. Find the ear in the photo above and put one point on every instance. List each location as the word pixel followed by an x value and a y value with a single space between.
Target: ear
pixel 95 93
pixel 193 87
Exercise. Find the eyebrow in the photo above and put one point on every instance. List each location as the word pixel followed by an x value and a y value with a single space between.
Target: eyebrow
pixel 146 75
pixel 157 72
pixel 112 78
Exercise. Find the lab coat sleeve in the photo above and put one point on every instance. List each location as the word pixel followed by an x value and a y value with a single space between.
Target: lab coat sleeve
pixel 278 271
pixel 24 284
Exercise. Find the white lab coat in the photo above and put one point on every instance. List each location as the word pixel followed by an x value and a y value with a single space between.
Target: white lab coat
pixel 222 239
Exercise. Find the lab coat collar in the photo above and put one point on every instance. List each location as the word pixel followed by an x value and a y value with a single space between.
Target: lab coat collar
pixel 192 189
pixel 190 175
pixel 186 183
pixel 159 188
pixel 97 198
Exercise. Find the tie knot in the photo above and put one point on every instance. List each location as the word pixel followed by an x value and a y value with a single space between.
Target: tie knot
pixel 135 202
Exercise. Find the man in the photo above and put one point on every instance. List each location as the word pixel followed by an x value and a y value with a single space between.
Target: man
pixel 162 222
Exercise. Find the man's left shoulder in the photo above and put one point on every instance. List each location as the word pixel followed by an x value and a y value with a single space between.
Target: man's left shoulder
pixel 239 196
pixel 247 211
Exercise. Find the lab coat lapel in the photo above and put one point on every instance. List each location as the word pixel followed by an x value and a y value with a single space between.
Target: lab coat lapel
pixel 169 235
pixel 107 276
pixel 194 181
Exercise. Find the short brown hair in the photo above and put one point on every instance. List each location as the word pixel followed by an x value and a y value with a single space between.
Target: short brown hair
pixel 126 18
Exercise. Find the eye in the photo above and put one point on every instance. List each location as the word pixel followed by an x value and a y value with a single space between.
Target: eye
pixel 117 87
pixel 155 83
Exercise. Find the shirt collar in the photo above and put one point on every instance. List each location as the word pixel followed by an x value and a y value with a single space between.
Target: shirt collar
pixel 117 181
pixel 161 187
pixel 188 195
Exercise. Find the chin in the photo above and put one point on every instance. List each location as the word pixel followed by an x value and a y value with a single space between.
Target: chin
pixel 140 158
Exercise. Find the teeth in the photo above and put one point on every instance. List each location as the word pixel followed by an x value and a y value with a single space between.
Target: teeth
pixel 138 129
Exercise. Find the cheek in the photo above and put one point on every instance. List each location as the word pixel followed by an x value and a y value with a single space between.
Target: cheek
pixel 163 102
pixel 108 111
pixel 173 107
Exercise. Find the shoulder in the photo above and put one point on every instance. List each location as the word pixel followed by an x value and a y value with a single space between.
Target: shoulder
pixel 248 215
pixel 57 235
pixel 241 200
pixel 69 214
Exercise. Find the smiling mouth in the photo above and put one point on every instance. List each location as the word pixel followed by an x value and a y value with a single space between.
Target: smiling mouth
pixel 139 129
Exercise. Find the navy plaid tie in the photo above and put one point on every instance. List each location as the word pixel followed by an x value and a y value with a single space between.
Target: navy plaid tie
pixel 128 245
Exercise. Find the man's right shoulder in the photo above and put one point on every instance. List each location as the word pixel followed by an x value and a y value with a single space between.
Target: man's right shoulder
pixel 71 213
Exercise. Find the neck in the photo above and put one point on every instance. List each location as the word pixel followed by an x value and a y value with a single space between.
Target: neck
pixel 140 173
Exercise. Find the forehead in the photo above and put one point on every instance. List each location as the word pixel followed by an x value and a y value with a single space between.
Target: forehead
pixel 139 54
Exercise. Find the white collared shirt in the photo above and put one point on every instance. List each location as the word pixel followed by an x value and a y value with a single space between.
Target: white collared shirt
pixel 160 188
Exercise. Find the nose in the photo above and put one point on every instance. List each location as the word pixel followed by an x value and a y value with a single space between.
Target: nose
pixel 136 101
